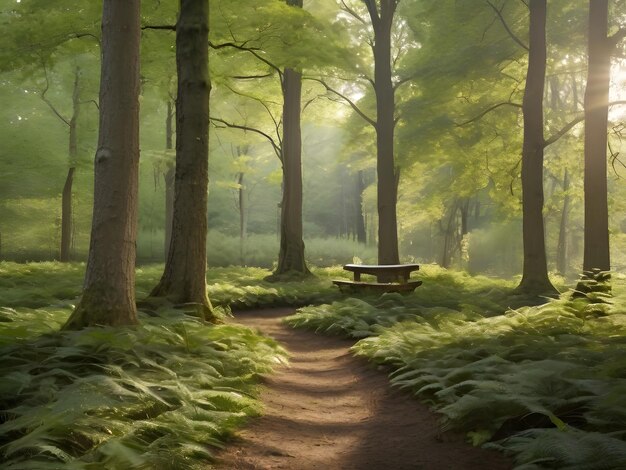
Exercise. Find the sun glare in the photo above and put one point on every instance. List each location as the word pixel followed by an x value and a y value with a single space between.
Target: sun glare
pixel 618 90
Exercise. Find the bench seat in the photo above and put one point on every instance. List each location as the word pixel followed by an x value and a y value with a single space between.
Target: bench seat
pixel 351 286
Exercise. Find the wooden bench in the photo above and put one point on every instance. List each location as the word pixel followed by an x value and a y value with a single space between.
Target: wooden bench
pixel 391 278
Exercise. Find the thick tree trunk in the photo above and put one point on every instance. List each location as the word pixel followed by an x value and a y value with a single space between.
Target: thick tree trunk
pixel 561 251
pixel 385 123
pixel 535 274
pixel 169 177
pixel 291 255
pixel 66 197
pixel 184 278
pixel 109 288
pixel 361 234
pixel 596 244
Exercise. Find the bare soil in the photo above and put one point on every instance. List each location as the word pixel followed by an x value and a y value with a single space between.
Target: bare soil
pixel 329 410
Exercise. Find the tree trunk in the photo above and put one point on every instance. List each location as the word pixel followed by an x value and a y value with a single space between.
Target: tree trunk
pixel 535 274
pixel 596 244
pixel 184 278
pixel 291 255
pixel 243 217
pixel 385 109
pixel 360 220
pixel 109 287
pixel 66 197
pixel 169 177
pixel 561 252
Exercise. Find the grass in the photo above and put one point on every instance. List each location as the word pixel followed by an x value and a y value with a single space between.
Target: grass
pixel 45 284
pixel 544 383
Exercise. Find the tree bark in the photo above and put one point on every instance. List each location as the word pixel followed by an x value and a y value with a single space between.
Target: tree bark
pixel 561 252
pixel 169 177
pixel 596 242
pixel 243 217
pixel 109 287
pixel 361 234
pixel 291 255
pixel 184 278
pixel 66 196
pixel 387 190
pixel 535 273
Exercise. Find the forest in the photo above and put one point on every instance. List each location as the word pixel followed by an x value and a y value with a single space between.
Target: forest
pixel 185 186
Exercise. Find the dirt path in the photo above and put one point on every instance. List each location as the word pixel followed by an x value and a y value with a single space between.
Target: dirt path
pixel 331 411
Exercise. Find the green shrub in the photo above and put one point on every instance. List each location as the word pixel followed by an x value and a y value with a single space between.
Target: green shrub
pixel 161 395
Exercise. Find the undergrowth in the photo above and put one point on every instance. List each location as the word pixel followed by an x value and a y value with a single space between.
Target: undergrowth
pixel 544 383
pixel 52 284
pixel 161 395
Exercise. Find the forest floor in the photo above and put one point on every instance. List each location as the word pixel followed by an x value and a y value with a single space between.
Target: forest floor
pixel 329 410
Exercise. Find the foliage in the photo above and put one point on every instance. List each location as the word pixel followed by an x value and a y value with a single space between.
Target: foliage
pixel 54 285
pixel 443 293
pixel 161 395
pixel 546 383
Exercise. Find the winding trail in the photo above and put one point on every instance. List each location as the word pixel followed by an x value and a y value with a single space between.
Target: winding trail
pixel 329 410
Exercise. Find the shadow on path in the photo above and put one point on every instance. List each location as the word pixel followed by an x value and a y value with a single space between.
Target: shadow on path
pixel 329 410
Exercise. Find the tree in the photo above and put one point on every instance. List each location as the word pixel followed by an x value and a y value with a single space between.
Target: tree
pixel 600 48
pixel 382 22
pixel 381 17
pixel 109 288
pixel 184 278
pixel 291 255
pixel 535 271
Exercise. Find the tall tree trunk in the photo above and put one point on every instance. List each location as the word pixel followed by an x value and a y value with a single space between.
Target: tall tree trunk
pixel 291 254
pixel 184 278
pixel 360 220
pixel 561 251
pixel 109 287
pixel 596 244
pixel 387 190
pixel 535 274
pixel 169 177
pixel 66 197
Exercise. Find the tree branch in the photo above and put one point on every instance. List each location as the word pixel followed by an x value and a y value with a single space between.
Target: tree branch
pixel 352 12
pixel 488 110
pixel 352 104
pixel 251 50
pixel 166 27
pixel 250 77
pixel 373 11
pixel 277 148
pixel 564 130
pixel 45 90
pixel 506 26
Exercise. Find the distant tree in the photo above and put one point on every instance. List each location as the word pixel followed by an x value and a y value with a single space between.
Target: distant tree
pixel 184 278
pixel 66 195
pixel 535 271
pixel 35 45
pixel 109 288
